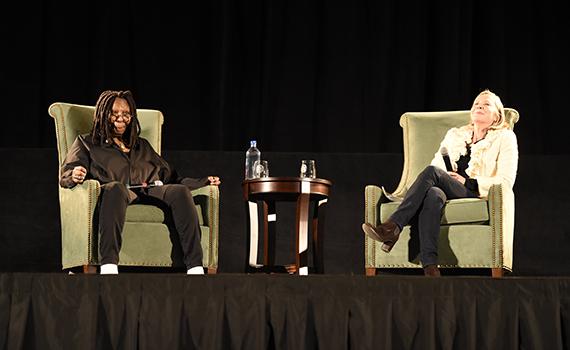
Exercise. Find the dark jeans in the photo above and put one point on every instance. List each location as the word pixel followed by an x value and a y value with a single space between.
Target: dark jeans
pixel 114 199
pixel 426 198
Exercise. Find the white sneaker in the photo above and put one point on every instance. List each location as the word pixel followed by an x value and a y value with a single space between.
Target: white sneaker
pixel 196 270
pixel 109 269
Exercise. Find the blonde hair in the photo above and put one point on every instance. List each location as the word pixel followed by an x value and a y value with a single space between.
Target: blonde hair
pixel 501 121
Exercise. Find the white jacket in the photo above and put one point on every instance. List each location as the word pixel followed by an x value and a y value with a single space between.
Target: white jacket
pixel 494 159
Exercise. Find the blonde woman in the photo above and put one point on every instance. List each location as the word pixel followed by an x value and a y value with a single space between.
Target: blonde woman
pixel 481 154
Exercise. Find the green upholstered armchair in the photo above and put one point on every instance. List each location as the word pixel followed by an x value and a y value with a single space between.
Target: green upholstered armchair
pixel 475 232
pixel 146 237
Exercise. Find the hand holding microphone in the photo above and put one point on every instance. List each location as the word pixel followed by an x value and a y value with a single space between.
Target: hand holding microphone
pixel 446 160
pixel 450 171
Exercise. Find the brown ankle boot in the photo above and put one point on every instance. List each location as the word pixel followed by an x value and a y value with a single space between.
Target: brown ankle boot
pixel 431 271
pixel 386 232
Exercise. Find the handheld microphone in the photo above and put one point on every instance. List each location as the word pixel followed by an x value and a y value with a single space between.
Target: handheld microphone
pixel 145 185
pixel 446 160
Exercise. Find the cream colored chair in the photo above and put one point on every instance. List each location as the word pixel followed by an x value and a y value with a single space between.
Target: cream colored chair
pixel 475 232
pixel 146 238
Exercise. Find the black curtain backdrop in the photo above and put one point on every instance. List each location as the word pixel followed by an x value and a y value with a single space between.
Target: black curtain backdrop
pixel 311 76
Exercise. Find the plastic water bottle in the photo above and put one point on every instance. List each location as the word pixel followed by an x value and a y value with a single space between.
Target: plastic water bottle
pixel 251 156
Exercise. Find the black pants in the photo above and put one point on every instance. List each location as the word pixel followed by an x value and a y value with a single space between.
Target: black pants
pixel 114 199
pixel 426 198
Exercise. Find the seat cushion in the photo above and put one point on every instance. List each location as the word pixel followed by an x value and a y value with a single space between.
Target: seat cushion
pixel 151 213
pixel 150 244
pixel 456 211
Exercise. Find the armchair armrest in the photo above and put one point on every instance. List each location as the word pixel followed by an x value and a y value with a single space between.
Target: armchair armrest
pixel 373 196
pixel 208 197
pixel 77 206
pixel 501 201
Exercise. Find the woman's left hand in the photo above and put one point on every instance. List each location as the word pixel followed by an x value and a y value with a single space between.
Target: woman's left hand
pixel 214 180
pixel 457 177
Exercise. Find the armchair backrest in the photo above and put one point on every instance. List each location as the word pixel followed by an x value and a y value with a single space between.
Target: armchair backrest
pixel 72 120
pixel 423 133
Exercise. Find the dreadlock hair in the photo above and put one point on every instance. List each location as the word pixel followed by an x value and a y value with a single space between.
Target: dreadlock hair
pixel 102 131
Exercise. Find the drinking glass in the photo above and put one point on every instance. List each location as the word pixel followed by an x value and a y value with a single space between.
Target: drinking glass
pixel 261 169
pixel 308 169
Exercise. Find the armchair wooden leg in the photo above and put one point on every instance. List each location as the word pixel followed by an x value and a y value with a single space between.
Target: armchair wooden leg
pixel 370 271
pixel 89 269
pixel 212 270
pixel 497 272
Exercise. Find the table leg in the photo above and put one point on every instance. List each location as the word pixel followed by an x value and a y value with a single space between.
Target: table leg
pixel 253 237
pixel 302 239
pixel 269 232
pixel 319 210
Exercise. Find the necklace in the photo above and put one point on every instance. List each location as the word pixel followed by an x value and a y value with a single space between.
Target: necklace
pixel 474 139
pixel 121 145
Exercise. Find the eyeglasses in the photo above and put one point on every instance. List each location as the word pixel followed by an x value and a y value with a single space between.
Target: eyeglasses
pixel 125 115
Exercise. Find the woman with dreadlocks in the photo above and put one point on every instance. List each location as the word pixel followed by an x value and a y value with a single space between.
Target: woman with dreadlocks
pixel 115 155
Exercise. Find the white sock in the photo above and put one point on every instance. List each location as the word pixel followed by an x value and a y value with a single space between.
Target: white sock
pixel 109 269
pixel 196 270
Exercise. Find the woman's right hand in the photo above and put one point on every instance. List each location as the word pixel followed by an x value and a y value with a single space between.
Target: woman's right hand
pixel 457 177
pixel 78 174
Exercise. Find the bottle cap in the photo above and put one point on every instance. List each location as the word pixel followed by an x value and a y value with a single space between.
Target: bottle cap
pixel 253 143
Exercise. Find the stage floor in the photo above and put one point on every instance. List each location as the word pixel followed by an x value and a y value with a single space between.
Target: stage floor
pixel 278 311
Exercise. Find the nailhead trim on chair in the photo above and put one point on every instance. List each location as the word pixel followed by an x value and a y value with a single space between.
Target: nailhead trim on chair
pixel 211 216
pixel 440 265
pixel 145 263
pixel 374 200
pixel 216 232
pixel 491 199
pixel 501 229
pixel 366 219
pixel 89 224
pixel 93 192
pixel 492 194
